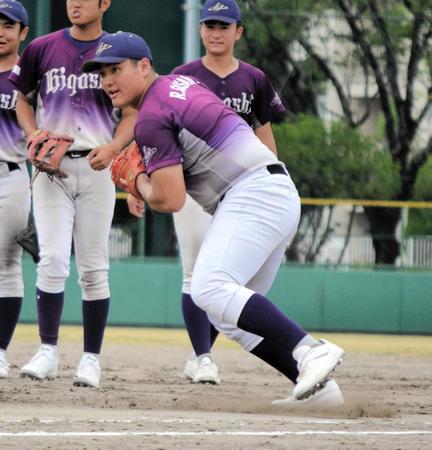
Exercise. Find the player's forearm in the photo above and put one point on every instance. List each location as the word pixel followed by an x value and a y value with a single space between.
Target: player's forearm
pixel 25 115
pixel 157 201
pixel 265 135
pixel 123 135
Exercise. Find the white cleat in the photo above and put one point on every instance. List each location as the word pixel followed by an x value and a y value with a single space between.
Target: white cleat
pixel 4 366
pixel 89 372
pixel 207 371
pixel 43 365
pixel 329 397
pixel 315 365
pixel 191 368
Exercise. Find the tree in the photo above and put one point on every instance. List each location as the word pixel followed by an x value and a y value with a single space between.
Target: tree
pixel 334 162
pixel 387 46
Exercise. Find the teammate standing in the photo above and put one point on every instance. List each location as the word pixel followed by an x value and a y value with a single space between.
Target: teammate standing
pixel 14 179
pixel 248 91
pixel 191 142
pixel 81 206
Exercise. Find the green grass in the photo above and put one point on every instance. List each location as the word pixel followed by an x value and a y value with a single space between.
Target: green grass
pixel 358 343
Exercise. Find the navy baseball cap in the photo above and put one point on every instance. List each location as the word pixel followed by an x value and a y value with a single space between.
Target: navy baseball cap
pixel 116 48
pixel 14 10
pixel 222 11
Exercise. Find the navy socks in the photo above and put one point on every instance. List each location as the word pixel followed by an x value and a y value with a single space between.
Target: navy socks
pixel 49 308
pixel 201 332
pixel 261 317
pixel 10 308
pixel 95 314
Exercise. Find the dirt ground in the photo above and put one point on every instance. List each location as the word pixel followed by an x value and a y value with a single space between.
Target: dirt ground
pixel 145 403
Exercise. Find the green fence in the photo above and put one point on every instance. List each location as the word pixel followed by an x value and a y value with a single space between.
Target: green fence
pixel 148 294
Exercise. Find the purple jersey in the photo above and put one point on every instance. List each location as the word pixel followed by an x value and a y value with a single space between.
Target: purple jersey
pixel 182 122
pixel 12 142
pixel 67 100
pixel 247 91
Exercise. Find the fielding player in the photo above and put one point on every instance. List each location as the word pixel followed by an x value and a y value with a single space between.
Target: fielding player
pixel 79 207
pixel 247 91
pixel 14 179
pixel 192 142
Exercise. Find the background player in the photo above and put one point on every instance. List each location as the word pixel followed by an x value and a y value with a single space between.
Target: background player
pixel 190 141
pixel 80 206
pixel 248 91
pixel 14 179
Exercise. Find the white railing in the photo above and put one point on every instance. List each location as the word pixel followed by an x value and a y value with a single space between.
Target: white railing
pixel 414 251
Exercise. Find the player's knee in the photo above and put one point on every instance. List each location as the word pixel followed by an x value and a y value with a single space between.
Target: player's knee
pixel 94 285
pixel 53 265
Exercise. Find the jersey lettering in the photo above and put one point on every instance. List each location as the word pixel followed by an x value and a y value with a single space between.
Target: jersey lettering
pixel 241 105
pixel 57 80
pixel 8 101
pixel 180 86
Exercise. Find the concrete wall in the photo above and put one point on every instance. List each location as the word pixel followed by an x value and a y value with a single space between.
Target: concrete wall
pixel 146 293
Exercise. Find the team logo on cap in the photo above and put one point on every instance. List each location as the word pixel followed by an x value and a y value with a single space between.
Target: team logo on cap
pixel 102 47
pixel 5 5
pixel 218 7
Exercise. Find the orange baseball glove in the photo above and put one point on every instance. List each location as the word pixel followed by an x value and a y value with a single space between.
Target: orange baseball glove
pixel 46 150
pixel 126 167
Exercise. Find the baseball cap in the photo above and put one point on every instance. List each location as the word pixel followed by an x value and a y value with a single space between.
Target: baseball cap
pixel 117 47
pixel 223 11
pixel 14 10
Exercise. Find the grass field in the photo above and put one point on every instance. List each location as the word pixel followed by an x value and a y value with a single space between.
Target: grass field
pixel 351 342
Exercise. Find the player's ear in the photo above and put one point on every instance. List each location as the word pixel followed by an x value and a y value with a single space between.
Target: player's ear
pixel 23 33
pixel 105 4
pixel 239 32
pixel 144 67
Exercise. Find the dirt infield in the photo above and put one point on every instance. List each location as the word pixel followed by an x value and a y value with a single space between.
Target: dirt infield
pixel 144 401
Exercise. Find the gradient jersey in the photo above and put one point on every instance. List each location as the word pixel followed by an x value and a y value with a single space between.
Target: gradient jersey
pixel 247 91
pixel 182 122
pixel 12 142
pixel 67 100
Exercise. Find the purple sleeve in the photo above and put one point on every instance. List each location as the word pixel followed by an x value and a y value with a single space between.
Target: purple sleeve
pixel 25 75
pixel 158 144
pixel 268 105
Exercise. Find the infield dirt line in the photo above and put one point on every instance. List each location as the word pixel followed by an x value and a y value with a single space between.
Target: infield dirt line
pixel 212 433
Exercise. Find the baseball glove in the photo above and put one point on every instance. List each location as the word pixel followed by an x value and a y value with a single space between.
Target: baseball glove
pixel 29 241
pixel 46 150
pixel 126 167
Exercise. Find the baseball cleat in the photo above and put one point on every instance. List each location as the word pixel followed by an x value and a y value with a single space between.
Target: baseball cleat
pixel 328 397
pixel 191 368
pixel 43 365
pixel 4 366
pixel 316 365
pixel 207 371
pixel 89 372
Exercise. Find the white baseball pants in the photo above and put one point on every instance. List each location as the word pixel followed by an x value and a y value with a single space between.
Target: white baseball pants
pixel 14 213
pixel 80 206
pixel 245 244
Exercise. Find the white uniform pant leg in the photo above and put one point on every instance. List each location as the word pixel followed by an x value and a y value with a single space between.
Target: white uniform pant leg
pixel 54 212
pixel 249 233
pixel 14 213
pixel 191 224
pixel 93 216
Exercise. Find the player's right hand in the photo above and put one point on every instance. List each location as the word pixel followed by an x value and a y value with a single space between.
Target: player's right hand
pixel 136 206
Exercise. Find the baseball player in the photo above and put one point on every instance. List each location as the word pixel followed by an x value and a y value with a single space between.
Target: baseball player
pixel 79 207
pixel 14 179
pixel 192 142
pixel 248 91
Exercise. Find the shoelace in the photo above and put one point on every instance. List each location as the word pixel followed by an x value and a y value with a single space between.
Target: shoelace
pixel 88 364
pixel 42 352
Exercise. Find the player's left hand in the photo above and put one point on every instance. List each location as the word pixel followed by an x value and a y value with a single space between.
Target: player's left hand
pixel 100 157
pixel 136 206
